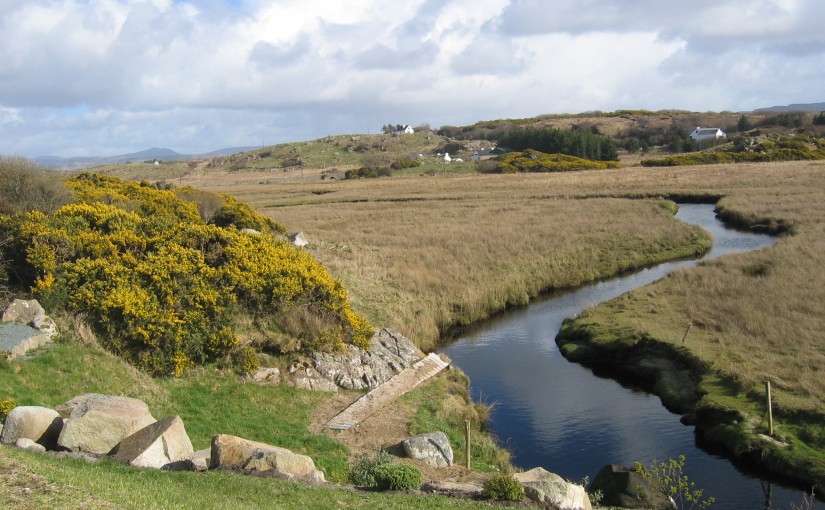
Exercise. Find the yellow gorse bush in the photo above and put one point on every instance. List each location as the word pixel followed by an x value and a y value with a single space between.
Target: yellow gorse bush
pixel 162 286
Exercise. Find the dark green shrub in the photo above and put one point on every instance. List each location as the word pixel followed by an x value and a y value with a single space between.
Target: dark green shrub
pixel 503 488
pixel 397 477
pixel 362 471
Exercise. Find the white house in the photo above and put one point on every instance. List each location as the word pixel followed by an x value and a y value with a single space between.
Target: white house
pixel 701 133
pixel 408 130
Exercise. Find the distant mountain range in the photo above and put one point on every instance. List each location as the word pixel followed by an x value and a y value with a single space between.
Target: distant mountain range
pixel 808 107
pixel 152 154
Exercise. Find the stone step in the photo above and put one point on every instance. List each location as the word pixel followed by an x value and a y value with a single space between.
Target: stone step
pixel 388 392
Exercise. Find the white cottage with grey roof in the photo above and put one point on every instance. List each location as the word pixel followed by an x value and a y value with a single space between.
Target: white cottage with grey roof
pixel 701 133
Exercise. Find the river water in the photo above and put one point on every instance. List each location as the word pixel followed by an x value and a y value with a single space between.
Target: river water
pixel 558 415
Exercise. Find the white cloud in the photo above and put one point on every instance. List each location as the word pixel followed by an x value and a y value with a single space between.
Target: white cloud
pixel 79 76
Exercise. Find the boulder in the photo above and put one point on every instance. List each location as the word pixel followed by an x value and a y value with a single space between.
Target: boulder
pixel 623 487
pixel 156 445
pixel 201 459
pixel 454 489
pixel 40 424
pixel 266 376
pixel 230 452
pixel 97 423
pixel 356 369
pixel 309 379
pixel 24 443
pixel 17 339
pixel 298 239
pixel 550 489
pixel 433 448
pixel 24 311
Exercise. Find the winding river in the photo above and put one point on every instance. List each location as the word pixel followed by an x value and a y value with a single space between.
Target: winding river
pixel 552 413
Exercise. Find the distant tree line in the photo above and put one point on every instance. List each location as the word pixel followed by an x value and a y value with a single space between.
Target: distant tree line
pixel 582 144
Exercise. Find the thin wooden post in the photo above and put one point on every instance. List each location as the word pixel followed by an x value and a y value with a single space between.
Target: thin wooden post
pixel 770 410
pixel 467 444
pixel 687 332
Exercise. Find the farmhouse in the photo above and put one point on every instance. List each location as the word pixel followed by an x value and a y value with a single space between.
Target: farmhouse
pixel 701 133
pixel 408 130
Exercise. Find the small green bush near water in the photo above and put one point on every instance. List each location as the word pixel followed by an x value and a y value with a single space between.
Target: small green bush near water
pixel 362 471
pixel 504 488
pixel 397 477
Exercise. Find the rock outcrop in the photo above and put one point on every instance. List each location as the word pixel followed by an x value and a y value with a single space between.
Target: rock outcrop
pixel 97 423
pixel 266 376
pixel 40 424
pixel 433 448
pixel 550 489
pixel 156 445
pixel 309 379
pixel 356 369
pixel 230 452
pixel 623 487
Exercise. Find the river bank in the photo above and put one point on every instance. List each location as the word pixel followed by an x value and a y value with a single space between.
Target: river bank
pixel 726 412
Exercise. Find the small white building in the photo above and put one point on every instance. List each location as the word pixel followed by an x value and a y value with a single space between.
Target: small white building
pixel 701 133
pixel 408 130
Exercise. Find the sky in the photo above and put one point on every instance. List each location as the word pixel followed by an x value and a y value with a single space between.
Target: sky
pixel 106 77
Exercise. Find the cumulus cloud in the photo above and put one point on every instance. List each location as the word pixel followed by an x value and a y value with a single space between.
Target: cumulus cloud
pixel 91 77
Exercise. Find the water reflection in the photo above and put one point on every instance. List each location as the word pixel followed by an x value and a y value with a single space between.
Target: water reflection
pixel 560 416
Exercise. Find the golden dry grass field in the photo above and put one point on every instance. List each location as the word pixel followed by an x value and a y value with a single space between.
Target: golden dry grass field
pixel 423 253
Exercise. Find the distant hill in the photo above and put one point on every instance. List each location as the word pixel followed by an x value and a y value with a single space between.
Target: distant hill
pixel 155 153
pixel 807 107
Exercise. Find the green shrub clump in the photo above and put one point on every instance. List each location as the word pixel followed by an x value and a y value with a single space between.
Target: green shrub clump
pixel 535 161
pixel 162 287
pixel 397 477
pixel 784 148
pixel 5 408
pixel 503 487
pixel 362 471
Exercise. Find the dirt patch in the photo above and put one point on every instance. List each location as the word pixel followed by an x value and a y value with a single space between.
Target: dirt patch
pixel 384 429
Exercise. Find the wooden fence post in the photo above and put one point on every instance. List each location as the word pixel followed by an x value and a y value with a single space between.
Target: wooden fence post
pixel 467 443
pixel 770 410
pixel 686 332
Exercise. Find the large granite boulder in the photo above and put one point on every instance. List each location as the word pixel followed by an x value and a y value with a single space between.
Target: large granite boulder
pixel 433 448
pixel 389 353
pixel 230 452
pixel 623 487
pixel 40 424
pixel 97 423
pixel 550 489
pixel 156 445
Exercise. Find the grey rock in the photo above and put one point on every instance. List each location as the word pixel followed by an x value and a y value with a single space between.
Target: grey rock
pixel 623 487
pixel 156 445
pixel 454 489
pixel 97 423
pixel 25 443
pixel 39 424
pixel 298 239
pixel 433 448
pixel 24 311
pixel 16 339
pixel 266 376
pixel 356 369
pixel 230 452
pixel 309 379
pixel 201 459
pixel 550 489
